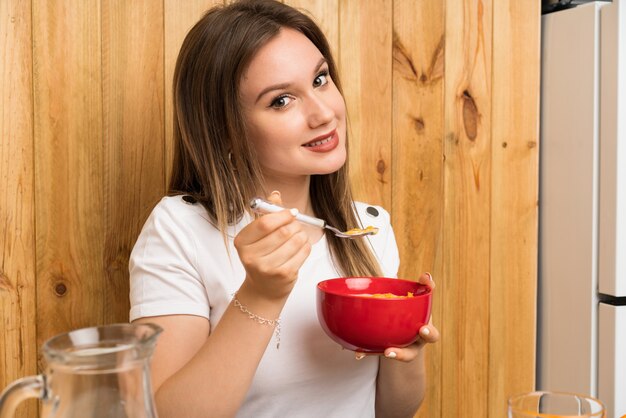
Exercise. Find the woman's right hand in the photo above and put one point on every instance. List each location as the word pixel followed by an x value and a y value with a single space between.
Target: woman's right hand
pixel 272 249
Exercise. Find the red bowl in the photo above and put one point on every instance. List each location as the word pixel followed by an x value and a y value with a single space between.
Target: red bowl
pixel 370 324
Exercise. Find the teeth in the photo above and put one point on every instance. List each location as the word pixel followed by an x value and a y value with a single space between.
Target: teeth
pixel 316 143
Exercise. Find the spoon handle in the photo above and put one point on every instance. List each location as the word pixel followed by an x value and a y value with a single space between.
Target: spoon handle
pixel 262 206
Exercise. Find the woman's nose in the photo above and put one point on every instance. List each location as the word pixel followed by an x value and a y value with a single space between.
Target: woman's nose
pixel 320 112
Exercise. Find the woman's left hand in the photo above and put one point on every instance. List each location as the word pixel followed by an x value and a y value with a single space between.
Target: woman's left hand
pixel 428 334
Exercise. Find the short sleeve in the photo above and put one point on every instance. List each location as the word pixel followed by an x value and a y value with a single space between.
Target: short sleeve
pixel 390 259
pixel 164 278
pixel 383 243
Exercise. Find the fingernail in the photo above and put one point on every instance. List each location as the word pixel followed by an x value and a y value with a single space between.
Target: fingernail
pixel 359 356
pixel 430 276
pixel 391 354
pixel 275 193
pixel 425 331
pixel 294 211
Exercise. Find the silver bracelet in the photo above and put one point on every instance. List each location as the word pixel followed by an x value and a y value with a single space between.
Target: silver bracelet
pixel 259 319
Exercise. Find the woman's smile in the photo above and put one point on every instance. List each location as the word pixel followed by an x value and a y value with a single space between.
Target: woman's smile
pixel 324 143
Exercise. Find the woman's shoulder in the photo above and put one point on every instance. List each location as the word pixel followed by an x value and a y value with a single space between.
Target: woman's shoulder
pixel 179 203
pixel 383 243
pixel 180 212
pixel 376 215
pixel 175 227
pixel 185 213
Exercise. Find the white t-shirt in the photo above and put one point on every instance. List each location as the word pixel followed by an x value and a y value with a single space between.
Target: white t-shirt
pixel 181 265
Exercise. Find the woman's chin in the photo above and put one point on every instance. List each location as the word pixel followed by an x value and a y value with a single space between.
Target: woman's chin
pixel 331 167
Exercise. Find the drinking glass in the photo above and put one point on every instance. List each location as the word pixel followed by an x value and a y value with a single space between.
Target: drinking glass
pixel 542 404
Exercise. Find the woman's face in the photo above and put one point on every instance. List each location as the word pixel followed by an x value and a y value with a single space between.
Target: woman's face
pixel 295 115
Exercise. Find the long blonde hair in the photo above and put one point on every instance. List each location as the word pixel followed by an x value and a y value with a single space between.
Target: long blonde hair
pixel 213 159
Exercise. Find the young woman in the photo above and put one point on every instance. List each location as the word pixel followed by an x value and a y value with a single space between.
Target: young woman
pixel 259 112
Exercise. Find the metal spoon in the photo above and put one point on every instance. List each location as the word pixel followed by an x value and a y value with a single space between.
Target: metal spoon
pixel 262 206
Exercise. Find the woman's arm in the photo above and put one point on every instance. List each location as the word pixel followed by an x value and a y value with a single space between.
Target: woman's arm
pixel 195 375
pixel 401 382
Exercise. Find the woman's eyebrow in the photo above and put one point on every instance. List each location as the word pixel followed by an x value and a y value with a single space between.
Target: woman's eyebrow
pixel 321 62
pixel 271 88
pixel 282 86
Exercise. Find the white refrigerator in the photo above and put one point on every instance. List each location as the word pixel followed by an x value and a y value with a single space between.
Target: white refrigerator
pixel 582 204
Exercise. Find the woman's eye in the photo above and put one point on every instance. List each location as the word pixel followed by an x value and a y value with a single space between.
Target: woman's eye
pixel 280 102
pixel 321 79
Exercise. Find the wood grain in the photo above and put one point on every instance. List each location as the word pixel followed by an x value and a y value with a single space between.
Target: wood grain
pixel 417 188
pixel 467 174
pixel 133 120
pixel 514 240
pixel 365 67
pixel 326 15
pixel 18 351
pixel 177 21
pixel 68 165
pixel 443 102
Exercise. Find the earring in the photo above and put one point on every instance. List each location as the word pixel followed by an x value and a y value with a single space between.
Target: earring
pixel 230 160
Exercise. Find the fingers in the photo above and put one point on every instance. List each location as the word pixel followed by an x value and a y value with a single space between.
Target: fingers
pixel 287 258
pixel 406 354
pixel 278 255
pixel 266 225
pixel 427 279
pixel 272 249
pixel 401 354
pixel 429 334
pixel 275 198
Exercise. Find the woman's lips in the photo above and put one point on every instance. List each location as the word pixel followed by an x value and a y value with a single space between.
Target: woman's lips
pixel 325 144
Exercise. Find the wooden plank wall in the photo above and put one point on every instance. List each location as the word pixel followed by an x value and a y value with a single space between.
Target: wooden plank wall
pixel 17 198
pixel 443 99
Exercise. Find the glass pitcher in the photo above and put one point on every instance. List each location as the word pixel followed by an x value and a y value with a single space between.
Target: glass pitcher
pixel 92 372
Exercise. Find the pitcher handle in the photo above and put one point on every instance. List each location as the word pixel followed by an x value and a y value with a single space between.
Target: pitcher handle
pixel 21 389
